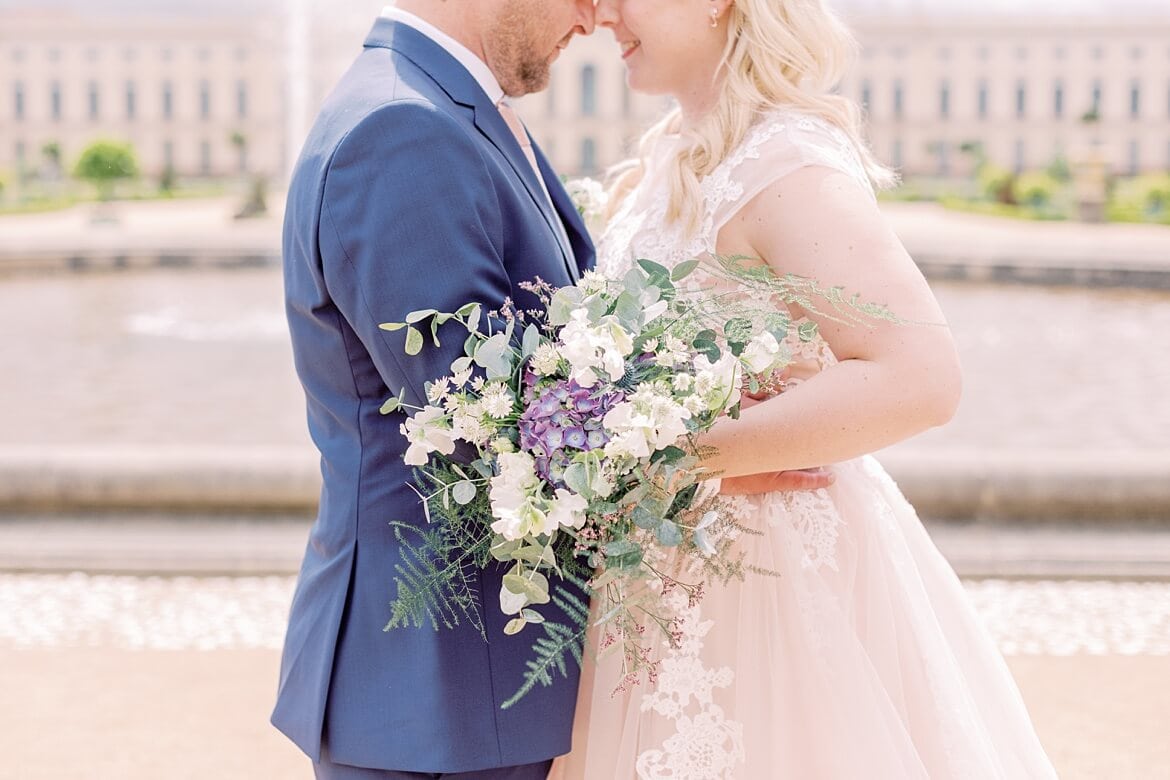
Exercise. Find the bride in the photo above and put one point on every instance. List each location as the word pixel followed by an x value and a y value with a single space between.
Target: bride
pixel 863 660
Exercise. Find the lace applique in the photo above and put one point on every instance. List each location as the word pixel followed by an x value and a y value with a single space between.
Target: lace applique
pixel 814 516
pixel 706 744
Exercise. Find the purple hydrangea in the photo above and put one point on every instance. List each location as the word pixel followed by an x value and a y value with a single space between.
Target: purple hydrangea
pixel 560 420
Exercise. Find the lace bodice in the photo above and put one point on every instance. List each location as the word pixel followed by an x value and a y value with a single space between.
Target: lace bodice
pixel 783 141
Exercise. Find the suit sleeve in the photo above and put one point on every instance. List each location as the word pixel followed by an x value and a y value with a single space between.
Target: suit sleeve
pixel 410 221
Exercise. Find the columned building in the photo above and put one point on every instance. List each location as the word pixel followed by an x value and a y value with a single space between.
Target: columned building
pixel 200 96
pixel 1025 83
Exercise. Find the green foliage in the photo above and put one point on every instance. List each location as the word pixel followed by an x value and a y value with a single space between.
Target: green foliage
pixel 104 163
pixel 1037 189
pixel 441 561
pixel 1059 169
pixel 1143 198
pixel 996 184
pixel 560 641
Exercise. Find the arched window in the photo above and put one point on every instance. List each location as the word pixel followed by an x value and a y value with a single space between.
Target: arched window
pixel 588 90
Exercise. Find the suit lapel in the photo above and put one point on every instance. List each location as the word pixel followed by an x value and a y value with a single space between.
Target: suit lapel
pixel 462 88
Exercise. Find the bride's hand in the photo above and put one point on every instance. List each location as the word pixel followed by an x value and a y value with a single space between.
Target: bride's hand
pixel 754 484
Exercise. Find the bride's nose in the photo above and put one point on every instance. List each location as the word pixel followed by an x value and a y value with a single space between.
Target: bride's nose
pixel 606 13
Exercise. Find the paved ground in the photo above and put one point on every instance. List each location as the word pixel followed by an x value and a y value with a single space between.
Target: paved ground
pixel 127 678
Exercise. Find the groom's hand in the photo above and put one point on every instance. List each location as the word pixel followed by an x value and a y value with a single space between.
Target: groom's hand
pixel 753 484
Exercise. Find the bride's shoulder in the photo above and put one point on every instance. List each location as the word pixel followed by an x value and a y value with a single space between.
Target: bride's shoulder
pixel 785 139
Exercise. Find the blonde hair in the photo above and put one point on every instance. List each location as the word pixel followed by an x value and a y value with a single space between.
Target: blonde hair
pixel 779 53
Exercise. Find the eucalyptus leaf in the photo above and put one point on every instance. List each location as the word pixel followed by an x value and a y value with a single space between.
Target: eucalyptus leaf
pixel 515 626
pixel 669 534
pixel 532 616
pixel 418 316
pixel 391 405
pixel 463 492
pixel 807 331
pixel 655 270
pixel 414 340
pixel 683 270
pixel 392 326
pixel 531 340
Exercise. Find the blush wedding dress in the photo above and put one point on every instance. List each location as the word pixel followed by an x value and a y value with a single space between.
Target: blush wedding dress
pixel 863 660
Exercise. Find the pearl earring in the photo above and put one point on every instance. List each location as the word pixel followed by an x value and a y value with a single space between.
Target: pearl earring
pixel 714 18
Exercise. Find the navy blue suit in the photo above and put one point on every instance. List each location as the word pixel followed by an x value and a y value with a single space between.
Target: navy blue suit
pixel 411 193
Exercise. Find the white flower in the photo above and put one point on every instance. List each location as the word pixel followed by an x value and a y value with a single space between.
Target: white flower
pixel 590 348
pixel 512 496
pixel 646 422
pixel 761 353
pixel 592 283
pixel 591 200
pixel 718 382
pixel 628 444
pixel 498 402
pixel 568 510
pixel 671 352
pixel 462 378
pixel 427 431
pixel 469 424
pixel 682 382
pixel 437 390
pixel 545 360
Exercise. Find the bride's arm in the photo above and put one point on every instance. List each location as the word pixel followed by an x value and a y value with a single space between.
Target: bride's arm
pixel 892 381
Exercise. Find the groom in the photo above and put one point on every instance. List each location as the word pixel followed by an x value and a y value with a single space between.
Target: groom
pixel 417 188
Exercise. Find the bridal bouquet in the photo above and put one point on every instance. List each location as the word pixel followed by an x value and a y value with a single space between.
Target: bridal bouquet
pixel 581 469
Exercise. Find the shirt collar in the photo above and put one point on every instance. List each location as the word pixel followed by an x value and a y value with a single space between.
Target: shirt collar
pixel 474 65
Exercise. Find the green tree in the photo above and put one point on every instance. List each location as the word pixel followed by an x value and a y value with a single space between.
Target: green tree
pixel 105 163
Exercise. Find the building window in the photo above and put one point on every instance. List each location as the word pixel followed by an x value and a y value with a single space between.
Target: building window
pixel 899 100
pixel 168 155
pixel 242 100
pixel 168 54
pixel 18 55
pixel 944 101
pixel 1096 104
pixel 54 55
pixel 168 101
pixel 1135 157
pixel 1021 157
pixel 205 158
pixel 1058 100
pixel 1021 100
pixel 1135 99
pixel 588 90
pixel 983 53
pixel 866 95
pixel 129 54
pixel 18 101
pixel 55 101
pixel 242 158
pixel 941 150
pixel 625 98
pixel 91 54
pixel 204 100
pixel 896 153
pixel 94 104
pixel 1021 52
pixel 204 54
pixel 131 101
pixel 982 100
pixel 1058 52
pixel 1098 53
pixel 588 156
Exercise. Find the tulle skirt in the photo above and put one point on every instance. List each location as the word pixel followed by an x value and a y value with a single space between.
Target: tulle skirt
pixel 861 660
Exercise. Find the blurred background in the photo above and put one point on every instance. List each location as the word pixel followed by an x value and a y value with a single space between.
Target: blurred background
pixel 156 477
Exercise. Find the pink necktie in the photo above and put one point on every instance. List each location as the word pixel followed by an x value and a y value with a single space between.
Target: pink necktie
pixel 514 124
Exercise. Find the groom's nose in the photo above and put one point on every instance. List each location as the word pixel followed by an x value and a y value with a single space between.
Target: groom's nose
pixel 585 17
